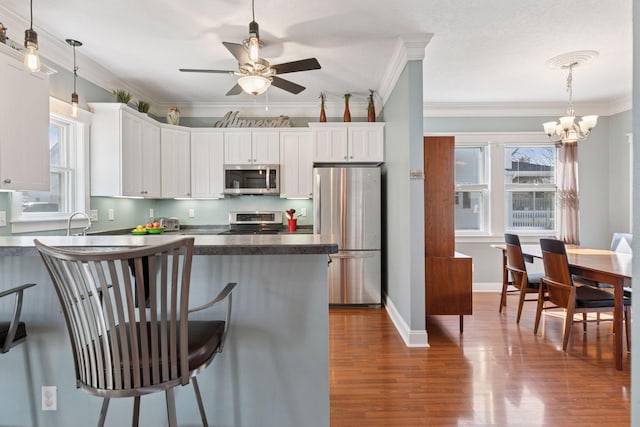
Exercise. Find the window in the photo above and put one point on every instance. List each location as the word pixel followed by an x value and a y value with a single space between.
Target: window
pixel 504 182
pixel 530 190
pixel 61 196
pixel 33 211
pixel 471 188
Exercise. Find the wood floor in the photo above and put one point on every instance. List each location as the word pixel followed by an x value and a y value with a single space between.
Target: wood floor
pixel 496 373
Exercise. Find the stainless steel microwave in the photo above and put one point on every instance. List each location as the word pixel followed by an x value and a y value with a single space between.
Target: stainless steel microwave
pixel 252 179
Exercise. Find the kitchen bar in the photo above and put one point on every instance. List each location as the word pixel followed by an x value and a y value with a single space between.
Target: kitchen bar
pixel 273 372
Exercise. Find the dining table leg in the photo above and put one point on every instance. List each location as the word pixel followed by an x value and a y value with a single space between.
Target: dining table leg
pixel 618 310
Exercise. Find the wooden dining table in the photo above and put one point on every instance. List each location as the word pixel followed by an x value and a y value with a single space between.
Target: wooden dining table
pixel 599 265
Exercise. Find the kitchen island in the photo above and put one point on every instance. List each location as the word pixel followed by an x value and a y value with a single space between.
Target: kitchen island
pixel 272 372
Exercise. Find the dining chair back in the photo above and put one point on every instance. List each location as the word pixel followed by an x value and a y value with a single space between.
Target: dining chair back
pixel 621 242
pixel 122 348
pixel 13 331
pixel 562 292
pixel 521 280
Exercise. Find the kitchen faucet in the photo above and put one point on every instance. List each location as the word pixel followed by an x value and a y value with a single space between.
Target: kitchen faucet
pixel 84 231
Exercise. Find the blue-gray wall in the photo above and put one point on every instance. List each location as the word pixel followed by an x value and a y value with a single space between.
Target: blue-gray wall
pixel 604 181
pixel 404 206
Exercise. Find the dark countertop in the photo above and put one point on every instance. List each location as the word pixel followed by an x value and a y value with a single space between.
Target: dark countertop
pixel 255 244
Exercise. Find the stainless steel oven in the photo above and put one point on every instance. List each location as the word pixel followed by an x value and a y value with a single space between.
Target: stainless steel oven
pixel 252 179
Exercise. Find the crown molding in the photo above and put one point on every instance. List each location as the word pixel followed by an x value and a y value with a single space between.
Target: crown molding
pixel 522 109
pixel 409 47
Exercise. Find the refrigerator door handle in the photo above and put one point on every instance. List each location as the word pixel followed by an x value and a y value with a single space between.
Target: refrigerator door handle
pixel 316 203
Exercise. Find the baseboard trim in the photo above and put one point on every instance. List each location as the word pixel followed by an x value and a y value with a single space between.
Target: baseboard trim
pixel 411 338
pixel 487 287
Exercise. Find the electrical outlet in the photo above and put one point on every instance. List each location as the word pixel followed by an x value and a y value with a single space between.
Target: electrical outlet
pixel 192 213
pixel 49 398
pixel 3 218
pixel 151 213
pixel 112 214
pixel 303 212
pixel 93 215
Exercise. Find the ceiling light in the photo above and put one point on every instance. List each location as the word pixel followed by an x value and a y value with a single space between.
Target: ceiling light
pixel 255 85
pixel 566 130
pixel 74 95
pixel 31 57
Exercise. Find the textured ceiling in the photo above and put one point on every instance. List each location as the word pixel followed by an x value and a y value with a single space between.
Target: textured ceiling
pixel 490 51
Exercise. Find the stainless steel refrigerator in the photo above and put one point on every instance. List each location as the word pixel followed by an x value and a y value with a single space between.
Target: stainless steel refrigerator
pixel 346 206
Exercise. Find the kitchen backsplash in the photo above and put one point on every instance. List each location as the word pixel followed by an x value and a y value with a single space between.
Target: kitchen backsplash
pixel 130 212
pixel 205 212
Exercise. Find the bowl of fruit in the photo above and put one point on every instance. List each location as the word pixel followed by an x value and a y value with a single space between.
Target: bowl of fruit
pixel 154 228
pixel 139 230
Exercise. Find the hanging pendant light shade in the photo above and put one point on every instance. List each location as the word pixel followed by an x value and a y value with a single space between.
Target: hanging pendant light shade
pixel 74 96
pixel 31 56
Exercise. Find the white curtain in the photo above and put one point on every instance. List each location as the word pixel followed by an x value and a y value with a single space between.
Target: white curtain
pixel 569 228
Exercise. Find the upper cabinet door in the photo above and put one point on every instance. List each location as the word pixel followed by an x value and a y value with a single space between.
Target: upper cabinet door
pixel 151 181
pixel 132 155
pixel 207 161
pixel 24 127
pixel 265 147
pixel 176 162
pixel 237 148
pixel 296 167
pixel 330 144
pixel 365 144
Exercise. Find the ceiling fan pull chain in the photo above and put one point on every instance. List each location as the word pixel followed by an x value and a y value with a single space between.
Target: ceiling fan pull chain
pixel 266 105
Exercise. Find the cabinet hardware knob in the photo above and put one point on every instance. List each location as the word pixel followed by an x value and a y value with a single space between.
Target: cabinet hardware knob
pixel 7 181
pixel 249 160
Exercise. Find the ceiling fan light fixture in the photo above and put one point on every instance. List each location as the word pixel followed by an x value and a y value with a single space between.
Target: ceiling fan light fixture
pixel 254 85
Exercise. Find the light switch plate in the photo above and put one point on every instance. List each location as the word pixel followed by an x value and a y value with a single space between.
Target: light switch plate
pixel 93 214
pixel 3 218
pixel 112 214
pixel 192 213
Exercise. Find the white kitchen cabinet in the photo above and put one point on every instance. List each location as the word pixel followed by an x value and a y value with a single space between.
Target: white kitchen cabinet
pixel 348 142
pixel 175 161
pixel 24 125
pixel 259 147
pixel 207 161
pixel 296 164
pixel 125 152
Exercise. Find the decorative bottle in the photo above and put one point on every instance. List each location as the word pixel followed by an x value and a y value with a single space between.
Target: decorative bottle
pixel 371 109
pixel 323 115
pixel 347 114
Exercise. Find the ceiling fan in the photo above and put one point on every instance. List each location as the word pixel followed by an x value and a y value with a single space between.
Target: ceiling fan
pixel 255 74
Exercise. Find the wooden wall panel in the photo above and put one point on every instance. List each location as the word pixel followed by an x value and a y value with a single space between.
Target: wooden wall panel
pixel 439 187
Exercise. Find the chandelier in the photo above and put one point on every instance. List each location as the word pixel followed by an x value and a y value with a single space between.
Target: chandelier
pixel 566 130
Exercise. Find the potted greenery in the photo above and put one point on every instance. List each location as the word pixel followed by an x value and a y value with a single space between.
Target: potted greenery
pixel 122 95
pixel 143 106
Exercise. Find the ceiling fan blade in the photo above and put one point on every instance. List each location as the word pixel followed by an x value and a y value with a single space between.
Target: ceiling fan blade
pixel 294 66
pixel 197 70
pixel 238 51
pixel 235 90
pixel 287 85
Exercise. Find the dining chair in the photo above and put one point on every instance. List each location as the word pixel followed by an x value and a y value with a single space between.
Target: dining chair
pixel 523 282
pixel 14 331
pixel 562 293
pixel 124 349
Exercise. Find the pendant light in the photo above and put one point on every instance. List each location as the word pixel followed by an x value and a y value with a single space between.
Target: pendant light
pixel 566 130
pixel 31 57
pixel 74 96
